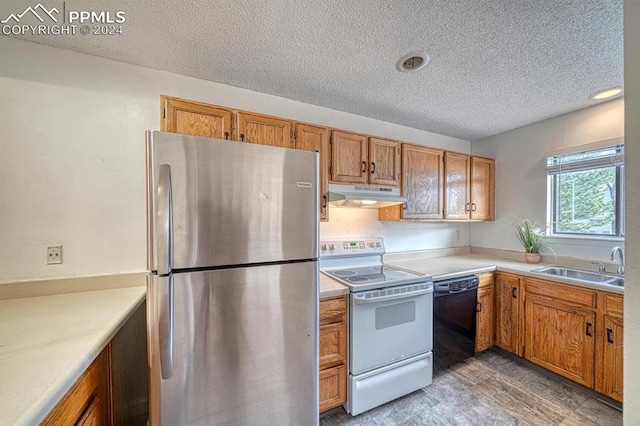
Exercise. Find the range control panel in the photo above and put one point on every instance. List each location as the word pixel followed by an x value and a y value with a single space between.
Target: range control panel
pixel 356 246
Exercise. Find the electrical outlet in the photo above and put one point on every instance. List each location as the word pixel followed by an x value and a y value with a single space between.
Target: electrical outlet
pixel 54 255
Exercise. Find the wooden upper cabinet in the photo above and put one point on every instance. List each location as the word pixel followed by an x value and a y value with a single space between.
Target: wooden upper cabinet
pixel 384 162
pixel 422 174
pixel 195 118
pixel 264 130
pixel 314 138
pixel 482 189
pixel 349 157
pixel 456 185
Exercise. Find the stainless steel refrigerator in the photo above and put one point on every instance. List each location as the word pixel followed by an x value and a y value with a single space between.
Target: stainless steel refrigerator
pixel 233 288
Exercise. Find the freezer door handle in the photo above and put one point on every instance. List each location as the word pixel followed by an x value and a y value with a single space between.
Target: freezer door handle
pixel 165 325
pixel 164 221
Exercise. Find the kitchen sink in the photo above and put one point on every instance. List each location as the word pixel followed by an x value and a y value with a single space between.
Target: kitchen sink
pixel 577 274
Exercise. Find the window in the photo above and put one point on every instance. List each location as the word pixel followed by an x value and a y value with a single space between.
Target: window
pixel 586 192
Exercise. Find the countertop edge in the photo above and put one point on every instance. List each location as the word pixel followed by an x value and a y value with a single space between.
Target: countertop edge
pixel 47 402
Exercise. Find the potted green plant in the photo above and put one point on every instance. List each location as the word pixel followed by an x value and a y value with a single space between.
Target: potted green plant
pixel 532 239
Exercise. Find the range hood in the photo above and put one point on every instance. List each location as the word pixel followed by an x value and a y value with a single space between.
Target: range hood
pixel 364 197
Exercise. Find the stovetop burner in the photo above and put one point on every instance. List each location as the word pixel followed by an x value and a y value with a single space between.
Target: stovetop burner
pixel 376 276
pixel 357 263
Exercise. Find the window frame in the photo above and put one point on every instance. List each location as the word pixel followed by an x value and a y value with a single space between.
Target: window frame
pixel 554 172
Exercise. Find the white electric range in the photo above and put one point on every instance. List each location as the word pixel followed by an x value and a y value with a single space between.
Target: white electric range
pixel 391 322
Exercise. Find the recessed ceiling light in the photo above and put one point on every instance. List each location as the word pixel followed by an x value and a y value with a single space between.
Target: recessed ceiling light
pixel 412 61
pixel 607 93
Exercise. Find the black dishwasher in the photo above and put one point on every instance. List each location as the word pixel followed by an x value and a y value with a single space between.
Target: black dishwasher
pixel 454 320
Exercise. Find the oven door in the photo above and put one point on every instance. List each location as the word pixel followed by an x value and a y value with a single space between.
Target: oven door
pixel 390 325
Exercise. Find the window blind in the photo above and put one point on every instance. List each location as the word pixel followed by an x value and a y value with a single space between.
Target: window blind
pixel 586 160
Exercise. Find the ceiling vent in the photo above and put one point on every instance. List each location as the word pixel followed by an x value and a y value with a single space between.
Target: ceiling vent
pixel 412 61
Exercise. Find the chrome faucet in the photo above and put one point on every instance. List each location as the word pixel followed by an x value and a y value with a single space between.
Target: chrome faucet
pixel 618 249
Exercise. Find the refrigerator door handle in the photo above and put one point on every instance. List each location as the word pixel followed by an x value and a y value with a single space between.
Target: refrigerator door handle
pixel 165 325
pixel 164 221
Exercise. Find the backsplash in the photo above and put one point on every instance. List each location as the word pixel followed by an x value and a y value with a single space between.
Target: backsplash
pixel 398 236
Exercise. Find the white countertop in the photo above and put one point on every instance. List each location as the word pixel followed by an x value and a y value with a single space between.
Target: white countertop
pixel 330 287
pixel 455 266
pixel 47 342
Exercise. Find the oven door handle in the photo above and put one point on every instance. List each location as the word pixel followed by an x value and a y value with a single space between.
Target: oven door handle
pixel 357 301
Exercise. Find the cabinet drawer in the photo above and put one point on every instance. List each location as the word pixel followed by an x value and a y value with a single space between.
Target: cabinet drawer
pixel 333 387
pixel 613 305
pixel 333 309
pixel 486 280
pixel 333 344
pixel 570 295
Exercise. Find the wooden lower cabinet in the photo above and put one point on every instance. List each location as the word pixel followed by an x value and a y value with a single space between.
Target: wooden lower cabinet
pixel 113 389
pixel 613 358
pixel 333 387
pixel 333 352
pixel 88 400
pixel 609 368
pixel 560 338
pixel 573 331
pixel 485 314
pixel 560 329
pixel 508 313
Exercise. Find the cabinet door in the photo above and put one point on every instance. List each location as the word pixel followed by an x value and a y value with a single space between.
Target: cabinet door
pixel 482 189
pixel 508 313
pixel 349 157
pixel 314 138
pixel 384 162
pixel 333 352
pixel 613 357
pixel 560 338
pixel 333 387
pixel 129 372
pixel 456 186
pixel 422 173
pixel 264 130
pixel 195 118
pixel 333 345
pixel 485 313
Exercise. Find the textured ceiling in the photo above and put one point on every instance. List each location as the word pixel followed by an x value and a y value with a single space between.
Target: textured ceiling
pixel 495 64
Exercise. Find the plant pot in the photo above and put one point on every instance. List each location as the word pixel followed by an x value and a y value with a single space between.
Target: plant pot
pixel 532 257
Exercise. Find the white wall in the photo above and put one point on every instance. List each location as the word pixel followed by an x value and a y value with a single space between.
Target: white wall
pixel 521 179
pixel 72 158
pixel 632 161
pixel 398 236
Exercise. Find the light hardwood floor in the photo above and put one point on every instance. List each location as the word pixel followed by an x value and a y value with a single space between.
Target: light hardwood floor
pixel 488 389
